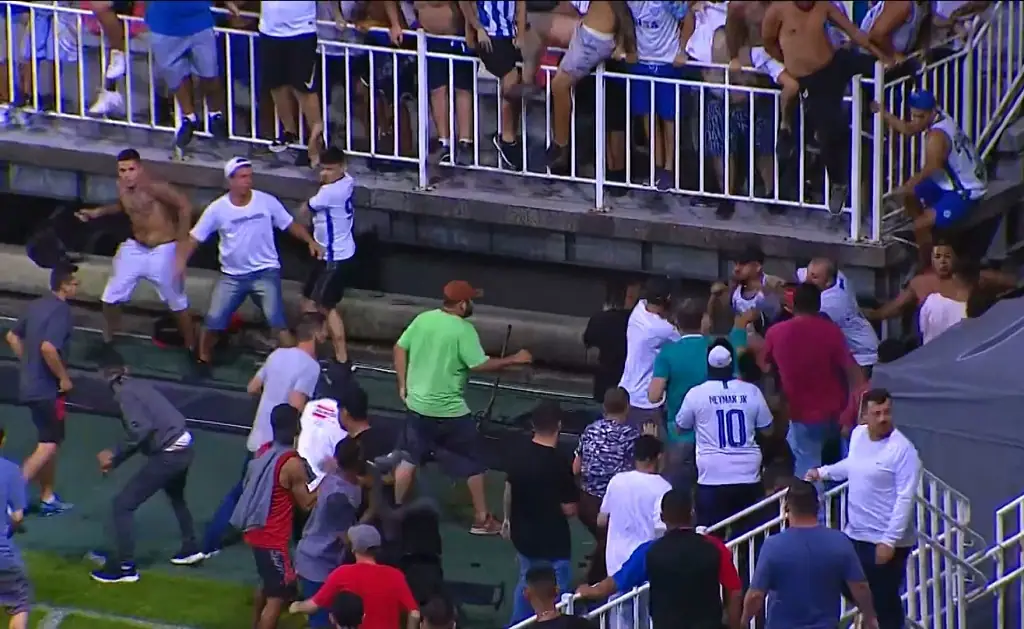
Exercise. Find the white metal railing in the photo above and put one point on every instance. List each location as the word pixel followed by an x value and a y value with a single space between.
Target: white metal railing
pixel 723 142
pixel 941 573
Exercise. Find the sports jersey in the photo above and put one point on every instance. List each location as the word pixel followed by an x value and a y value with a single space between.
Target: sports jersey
pixel 320 431
pixel 964 171
pixel 724 417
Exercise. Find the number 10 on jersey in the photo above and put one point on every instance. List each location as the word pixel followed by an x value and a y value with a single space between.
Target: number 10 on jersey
pixel 732 428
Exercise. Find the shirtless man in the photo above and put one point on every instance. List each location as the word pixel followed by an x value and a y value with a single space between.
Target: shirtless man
pixel 160 216
pixel 794 34
pixel 606 28
pixel 444 18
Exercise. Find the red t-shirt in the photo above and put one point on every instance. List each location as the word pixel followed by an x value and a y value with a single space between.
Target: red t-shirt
pixel 385 593
pixel 728 577
pixel 811 355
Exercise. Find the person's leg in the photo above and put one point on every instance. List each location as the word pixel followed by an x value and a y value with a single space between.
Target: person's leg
pixel 213 536
pixel 113 33
pixel 805 441
pixel 178 464
pixel 127 268
pixel 437 86
pixel 418 441
pixel 322 618
pixel 17 597
pixel 615 127
pixel 266 292
pixel 305 60
pixel 275 75
pixel 669 104
pixel 228 295
pixel 204 59
pixel 681 465
pixel 41 465
pixel 160 271
pixel 279 583
pixel 885 590
pixel 459 436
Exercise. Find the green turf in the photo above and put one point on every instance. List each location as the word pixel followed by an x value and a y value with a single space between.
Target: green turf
pixel 83 622
pixel 218 593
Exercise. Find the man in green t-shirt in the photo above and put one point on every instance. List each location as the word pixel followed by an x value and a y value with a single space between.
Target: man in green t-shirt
pixel 433 358
pixel 678 367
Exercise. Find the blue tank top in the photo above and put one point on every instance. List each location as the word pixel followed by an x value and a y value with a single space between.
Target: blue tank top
pixel 179 18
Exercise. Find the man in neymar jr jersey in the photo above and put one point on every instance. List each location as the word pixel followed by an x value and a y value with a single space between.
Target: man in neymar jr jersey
pixel 725 413
pixel 953 179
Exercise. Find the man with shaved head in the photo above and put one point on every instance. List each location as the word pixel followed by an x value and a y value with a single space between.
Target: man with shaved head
pixel 839 303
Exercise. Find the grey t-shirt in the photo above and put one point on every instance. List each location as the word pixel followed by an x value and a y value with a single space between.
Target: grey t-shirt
pixel 13 495
pixel 48 319
pixel 287 369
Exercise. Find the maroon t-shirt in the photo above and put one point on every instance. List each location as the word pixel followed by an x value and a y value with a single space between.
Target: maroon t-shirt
pixel 812 358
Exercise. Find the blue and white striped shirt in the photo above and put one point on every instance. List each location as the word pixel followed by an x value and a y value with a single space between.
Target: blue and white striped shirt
pixel 497 17
pixel 332 219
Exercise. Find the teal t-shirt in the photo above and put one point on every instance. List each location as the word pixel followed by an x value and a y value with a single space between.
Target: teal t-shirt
pixel 684 364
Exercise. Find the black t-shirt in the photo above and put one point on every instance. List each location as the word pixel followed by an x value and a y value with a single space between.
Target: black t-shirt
pixel 542 481
pixel 565 622
pixel 606 331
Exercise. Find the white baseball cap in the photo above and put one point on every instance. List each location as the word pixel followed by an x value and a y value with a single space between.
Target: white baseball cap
pixel 233 164
pixel 719 357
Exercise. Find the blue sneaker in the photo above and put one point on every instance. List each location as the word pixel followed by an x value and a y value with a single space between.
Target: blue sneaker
pixel 124 572
pixel 55 506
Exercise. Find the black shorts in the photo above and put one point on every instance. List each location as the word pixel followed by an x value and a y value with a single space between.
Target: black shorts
pixel 290 62
pixel 453 441
pixel 463 73
pixel 615 98
pixel 277 573
pixel 48 416
pixel 715 503
pixel 502 58
pixel 325 285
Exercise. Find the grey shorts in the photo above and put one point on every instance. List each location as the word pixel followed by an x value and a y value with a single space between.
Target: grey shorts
pixel 586 50
pixel 15 591
pixel 177 58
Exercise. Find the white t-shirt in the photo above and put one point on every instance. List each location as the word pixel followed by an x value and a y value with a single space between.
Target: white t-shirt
pixel 645 334
pixel 288 18
pixel 332 218
pixel 633 505
pixel 320 432
pixel 246 233
pixel 884 477
pixel 725 416
pixel 839 302
pixel 657 32
pixel 287 369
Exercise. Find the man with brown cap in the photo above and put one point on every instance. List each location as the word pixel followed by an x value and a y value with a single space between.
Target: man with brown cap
pixel 433 358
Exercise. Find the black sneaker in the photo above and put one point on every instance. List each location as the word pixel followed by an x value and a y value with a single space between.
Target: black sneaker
pixel 183 137
pixel 785 146
pixel 283 143
pixel 837 193
pixel 218 126
pixel 443 152
pixel 464 153
pixel 509 155
pixel 558 159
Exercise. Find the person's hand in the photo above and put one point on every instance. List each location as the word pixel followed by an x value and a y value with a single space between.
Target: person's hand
pixel 586 591
pixel 844 431
pixel 401 393
pixel 483 40
pixel 681 59
pixel 649 428
pixel 397 36
pixel 294 608
pixel 316 251
pixel 735 65
pixel 718 288
pixel 65 385
pixel 522 357
pixel 506 530
pixel 87 215
pixel 874 107
pixel 519 40
pixel 363 26
pixel 747 317
pixel 883 554
pixel 340 23
pixel 813 475
pixel 106 461
pixel 233 9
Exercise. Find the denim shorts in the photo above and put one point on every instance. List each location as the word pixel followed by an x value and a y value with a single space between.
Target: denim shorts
pixel 264 287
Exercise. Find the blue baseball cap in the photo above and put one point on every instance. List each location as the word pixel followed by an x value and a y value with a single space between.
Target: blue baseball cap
pixel 921 99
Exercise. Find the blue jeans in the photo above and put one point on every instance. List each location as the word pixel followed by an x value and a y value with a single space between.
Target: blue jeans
pixel 321 619
pixel 521 609
pixel 213 537
pixel 231 290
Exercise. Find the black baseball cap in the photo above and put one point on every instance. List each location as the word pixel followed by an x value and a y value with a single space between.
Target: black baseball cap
pixel 749 254
pixel 347 610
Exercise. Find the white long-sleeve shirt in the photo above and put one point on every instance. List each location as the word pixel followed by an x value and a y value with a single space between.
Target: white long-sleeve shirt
pixel 884 476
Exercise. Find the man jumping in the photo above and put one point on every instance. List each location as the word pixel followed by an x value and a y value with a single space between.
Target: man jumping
pixel 40 341
pixel 154 427
pixel 161 217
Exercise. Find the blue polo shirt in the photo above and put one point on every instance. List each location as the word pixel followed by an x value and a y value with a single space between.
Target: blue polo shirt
pixel 684 364
pixel 179 18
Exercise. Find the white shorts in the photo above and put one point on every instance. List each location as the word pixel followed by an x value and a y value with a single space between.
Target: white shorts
pixel 766 64
pixel 135 262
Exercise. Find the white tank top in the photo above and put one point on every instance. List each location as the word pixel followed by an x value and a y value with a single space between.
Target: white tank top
pixel 939 313
pixel 581 6
pixel 657 31
pixel 741 304
pixel 903 36
pixel 964 169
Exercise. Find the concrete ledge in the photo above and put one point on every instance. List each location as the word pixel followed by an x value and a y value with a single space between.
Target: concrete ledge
pixel 370 317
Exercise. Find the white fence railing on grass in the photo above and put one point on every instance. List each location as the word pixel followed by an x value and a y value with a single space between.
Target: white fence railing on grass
pixel 378 104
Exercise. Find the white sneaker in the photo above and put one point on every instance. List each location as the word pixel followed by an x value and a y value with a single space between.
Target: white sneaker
pixel 117 66
pixel 107 103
